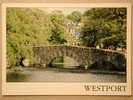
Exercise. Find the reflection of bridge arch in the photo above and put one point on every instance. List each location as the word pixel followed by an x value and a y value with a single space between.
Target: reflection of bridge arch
pixel 85 56
pixel 64 61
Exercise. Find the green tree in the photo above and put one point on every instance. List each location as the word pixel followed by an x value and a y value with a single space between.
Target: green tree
pixel 105 27
pixel 58 28
pixel 75 16
pixel 25 26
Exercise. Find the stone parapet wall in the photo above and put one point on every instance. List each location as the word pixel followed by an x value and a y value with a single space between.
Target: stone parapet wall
pixel 85 56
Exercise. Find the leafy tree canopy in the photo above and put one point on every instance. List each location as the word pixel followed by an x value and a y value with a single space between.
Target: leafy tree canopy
pixel 75 16
pixel 105 27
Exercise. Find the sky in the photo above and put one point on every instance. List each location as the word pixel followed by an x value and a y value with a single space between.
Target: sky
pixel 66 11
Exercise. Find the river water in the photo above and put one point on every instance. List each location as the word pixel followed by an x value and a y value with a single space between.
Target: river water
pixel 63 75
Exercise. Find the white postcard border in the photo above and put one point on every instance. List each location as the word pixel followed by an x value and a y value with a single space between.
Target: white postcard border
pixel 62 88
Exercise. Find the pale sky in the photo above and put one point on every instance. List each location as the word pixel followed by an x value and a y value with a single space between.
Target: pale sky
pixel 65 10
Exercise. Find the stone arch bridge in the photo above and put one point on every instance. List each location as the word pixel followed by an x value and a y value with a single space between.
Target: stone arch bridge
pixel 85 56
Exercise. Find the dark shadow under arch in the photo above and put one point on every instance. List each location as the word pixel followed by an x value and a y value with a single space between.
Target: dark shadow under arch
pixel 103 65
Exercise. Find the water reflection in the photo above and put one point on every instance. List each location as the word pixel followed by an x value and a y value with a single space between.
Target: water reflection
pixel 17 77
pixel 62 75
